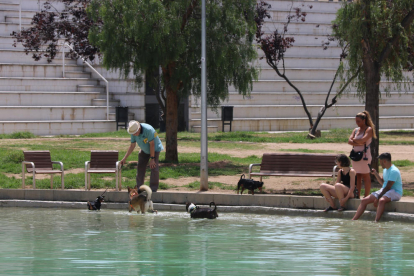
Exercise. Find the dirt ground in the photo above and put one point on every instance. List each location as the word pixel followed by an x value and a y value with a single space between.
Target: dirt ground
pixel 290 184
pixel 276 184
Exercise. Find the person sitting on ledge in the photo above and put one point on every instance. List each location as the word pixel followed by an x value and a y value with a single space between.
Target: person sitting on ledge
pixel 391 189
pixel 344 188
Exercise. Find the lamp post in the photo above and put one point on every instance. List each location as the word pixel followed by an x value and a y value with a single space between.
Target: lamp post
pixel 203 157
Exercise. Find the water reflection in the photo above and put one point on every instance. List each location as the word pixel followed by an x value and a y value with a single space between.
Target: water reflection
pixel 58 242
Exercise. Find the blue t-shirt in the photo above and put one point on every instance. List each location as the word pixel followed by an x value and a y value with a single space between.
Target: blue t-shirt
pixel 393 174
pixel 147 135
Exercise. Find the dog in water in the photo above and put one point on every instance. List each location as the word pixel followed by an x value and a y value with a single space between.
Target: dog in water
pixel 96 205
pixel 140 199
pixel 248 184
pixel 197 212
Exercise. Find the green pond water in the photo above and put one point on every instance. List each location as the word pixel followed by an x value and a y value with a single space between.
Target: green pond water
pixel 114 242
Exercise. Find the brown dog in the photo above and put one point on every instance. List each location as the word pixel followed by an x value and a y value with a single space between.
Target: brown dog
pixel 140 199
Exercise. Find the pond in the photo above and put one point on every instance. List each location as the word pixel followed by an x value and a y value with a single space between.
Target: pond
pixel 114 242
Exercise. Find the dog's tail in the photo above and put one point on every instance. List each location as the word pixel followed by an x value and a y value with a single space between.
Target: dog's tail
pixel 145 188
pixel 242 176
pixel 215 206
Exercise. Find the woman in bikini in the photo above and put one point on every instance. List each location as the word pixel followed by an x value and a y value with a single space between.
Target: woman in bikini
pixel 361 139
pixel 344 188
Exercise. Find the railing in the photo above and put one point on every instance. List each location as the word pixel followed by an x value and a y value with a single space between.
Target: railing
pixel 93 69
pixel 20 16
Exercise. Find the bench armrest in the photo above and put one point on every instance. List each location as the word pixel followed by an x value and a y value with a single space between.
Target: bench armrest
pixel 250 168
pixel 24 163
pixel 333 174
pixel 59 163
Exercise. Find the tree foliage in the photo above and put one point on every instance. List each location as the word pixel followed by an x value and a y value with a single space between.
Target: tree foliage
pixel 381 39
pixel 141 36
pixel 375 30
pixel 275 46
pixel 52 27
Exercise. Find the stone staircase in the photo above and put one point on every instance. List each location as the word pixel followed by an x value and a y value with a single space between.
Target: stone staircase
pixel 35 97
pixel 274 106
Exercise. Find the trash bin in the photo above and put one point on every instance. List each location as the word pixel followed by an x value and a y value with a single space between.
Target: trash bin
pixel 226 115
pixel 121 116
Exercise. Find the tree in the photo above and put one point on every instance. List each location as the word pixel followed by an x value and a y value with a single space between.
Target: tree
pixel 380 35
pixel 140 36
pixel 275 46
pixel 143 36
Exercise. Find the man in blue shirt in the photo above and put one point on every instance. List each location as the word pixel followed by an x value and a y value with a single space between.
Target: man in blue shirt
pixel 391 189
pixel 147 139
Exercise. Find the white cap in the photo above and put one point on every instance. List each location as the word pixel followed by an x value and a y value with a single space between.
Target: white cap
pixel 133 127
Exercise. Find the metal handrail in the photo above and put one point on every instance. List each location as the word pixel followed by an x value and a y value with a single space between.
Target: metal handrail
pixel 93 69
pixel 20 16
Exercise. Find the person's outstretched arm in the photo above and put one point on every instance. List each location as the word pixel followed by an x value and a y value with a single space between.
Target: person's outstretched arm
pixel 130 150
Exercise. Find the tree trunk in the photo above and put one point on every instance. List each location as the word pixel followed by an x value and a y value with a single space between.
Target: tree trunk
pixel 373 78
pixel 171 126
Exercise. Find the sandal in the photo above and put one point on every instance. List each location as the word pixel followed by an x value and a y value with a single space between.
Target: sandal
pixel 329 209
pixel 341 209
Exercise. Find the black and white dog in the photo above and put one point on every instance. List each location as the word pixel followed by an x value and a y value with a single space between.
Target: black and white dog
pixel 197 212
pixel 249 184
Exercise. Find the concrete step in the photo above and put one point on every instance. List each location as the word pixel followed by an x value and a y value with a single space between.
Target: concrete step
pixel 14 12
pixel 102 101
pixel 45 113
pixel 41 70
pixel 292 111
pixel 303 85
pixel 313 16
pixel 310 40
pixel 325 7
pixel 302 124
pixel 58 127
pixel 16 19
pixel 306 74
pixel 305 62
pixel 314 28
pixel 77 74
pixel 17 98
pixel 316 98
pixel 112 116
pixel 35 5
pixel 310 51
pixel 19 56
pixel 6 28
pixel 44 84
pixel 91 88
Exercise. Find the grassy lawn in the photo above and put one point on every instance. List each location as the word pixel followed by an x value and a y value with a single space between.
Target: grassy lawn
pixel 73 151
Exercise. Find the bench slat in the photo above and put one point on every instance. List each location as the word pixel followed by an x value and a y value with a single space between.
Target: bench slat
pixel 293 164
pixel 41 159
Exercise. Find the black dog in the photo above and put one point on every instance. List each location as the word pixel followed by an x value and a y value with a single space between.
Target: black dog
pixel 96 205
pixel 248 184
pixel 197 212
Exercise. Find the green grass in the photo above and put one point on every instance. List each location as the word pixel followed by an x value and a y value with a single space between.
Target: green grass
pixel 211 185
pixel 18 135
pixel 73 151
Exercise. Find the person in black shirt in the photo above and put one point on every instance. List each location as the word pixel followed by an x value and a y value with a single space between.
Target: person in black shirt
pixel 344 187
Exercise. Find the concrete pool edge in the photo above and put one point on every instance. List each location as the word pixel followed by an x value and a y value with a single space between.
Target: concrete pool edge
pixel 200 198
pixel 368 215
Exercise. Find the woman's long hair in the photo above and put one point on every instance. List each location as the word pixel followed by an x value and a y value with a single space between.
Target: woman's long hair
pixel 368 121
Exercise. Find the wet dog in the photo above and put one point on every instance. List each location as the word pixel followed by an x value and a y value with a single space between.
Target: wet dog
pixel 96 205
pixel 248 184
pixel 197 212
pixel 140 199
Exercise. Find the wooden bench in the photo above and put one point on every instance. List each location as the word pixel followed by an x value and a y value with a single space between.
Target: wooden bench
pixel 40 162
pixel 299 165
pixel 103 162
